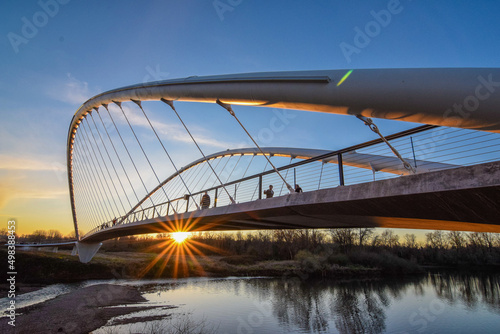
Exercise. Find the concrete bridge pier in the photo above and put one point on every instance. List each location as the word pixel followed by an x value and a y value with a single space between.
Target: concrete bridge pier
pixel 86 251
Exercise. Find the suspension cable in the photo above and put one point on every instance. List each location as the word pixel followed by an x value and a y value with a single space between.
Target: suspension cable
pixel 257 186
pixel 130 156
pixel 189 176
pixel 145 155
pixel 109 157
pixel 171 104
pixel 86 189
pixel 103 160
pixel 222 170
pixel 98 198
pixel 237 162
pixel 106 179
pixel 200 168
pixel 80 163
pixel 369 122
pixel 239 184
pixel 230 109
pixel 166 152
pixel 101 183
pixel 321 173
pixel 120 160
pixel 81 183
pixel 117 155
pixel 286 175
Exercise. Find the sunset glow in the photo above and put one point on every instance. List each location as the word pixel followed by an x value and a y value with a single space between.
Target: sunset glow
pixel 175 252
pixel 179 237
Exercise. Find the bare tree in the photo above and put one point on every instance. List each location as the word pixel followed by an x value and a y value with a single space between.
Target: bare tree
pixel 475 240
pixel 488 240
pixel 3 235
pixel 72 235
pixel 364 235
pixel 410 241
pixel 286 238
pixel 436 239
pixel 38 236
pixel 456 239
pixel 344 237
pixel 54 235
pixel 389 239
pixel 376 241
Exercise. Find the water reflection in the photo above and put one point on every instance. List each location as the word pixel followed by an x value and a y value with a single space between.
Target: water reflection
pixel 357 306
pixel 353 306
pixel 472 291
pixel 359 309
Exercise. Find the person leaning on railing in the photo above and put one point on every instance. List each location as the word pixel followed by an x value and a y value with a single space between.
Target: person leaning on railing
pixel 205 201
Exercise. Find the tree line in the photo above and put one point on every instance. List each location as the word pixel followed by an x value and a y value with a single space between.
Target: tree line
pixel 39 236
pixel 439 247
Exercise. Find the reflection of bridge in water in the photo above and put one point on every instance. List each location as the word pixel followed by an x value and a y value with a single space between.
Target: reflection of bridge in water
pixel 429 177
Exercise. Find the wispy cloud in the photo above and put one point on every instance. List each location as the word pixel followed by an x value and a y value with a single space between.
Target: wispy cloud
pixel 166 131
pixel 9 162
pixel 71 90
pixel 21 184
pixel 29 176
pixel 74 91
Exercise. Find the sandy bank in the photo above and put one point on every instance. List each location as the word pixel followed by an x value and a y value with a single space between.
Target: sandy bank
pixel 79 311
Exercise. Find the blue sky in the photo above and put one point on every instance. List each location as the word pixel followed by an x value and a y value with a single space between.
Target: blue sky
pixel 80 48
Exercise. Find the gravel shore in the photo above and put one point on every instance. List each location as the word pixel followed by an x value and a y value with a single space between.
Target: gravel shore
pixel 79 311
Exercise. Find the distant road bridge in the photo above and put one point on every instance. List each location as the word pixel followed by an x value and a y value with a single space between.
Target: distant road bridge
pixel 444 175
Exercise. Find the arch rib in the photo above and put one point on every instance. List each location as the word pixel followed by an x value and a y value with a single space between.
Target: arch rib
pixel 414 95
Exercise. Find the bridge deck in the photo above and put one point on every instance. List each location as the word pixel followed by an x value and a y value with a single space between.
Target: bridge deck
pixel 465 199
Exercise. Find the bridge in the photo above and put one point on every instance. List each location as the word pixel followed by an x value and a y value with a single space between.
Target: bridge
pixel 124 162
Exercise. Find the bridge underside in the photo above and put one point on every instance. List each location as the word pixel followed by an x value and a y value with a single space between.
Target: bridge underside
pixel 463 199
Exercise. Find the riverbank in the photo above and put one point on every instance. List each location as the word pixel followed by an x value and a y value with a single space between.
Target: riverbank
pixel 39 268
pixel 79 311
pixel 267 305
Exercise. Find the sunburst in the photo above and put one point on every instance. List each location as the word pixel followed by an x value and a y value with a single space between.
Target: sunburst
pixel 180 247
pixel 180 237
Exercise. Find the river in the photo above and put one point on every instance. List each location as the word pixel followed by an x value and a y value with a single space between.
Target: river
pixel 433 303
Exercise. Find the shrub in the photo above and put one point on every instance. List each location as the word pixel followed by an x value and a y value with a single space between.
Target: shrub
pixel 389 263
pixel 339 259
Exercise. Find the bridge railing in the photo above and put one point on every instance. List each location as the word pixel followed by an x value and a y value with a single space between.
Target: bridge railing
pixel 426 148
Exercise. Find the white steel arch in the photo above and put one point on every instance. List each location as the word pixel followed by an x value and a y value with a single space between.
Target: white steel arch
pixel 456 97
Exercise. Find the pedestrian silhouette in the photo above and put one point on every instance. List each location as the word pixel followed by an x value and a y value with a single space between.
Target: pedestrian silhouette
pixel 269 192
pixel 205 201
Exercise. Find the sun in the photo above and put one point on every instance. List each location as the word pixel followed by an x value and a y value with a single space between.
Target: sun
pixel 179 237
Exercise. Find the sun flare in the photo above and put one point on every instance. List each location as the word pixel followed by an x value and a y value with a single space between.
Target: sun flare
pixel 179 237
pixel 177 250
